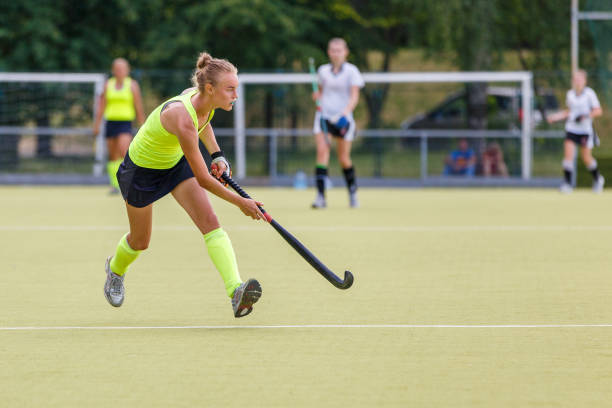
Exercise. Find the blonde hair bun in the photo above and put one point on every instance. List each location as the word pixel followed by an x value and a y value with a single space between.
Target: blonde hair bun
pixel 209 69
pixel 203 60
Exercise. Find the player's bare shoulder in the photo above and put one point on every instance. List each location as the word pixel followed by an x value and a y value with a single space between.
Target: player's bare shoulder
pixel 174 116
pixel 188 90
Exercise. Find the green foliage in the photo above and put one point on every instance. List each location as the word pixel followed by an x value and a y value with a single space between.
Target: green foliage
pixel 64 35
pixel 273 34
pixel 256 35
pixel 269 35
pixel 466 28
pixel 67 35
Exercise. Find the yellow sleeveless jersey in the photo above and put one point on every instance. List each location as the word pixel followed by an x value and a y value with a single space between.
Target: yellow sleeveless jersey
pixel 119 102
pixel 156 148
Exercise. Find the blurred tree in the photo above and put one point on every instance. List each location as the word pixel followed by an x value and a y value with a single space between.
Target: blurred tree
pixel 467 28
pixel 539 33
pixel 268 35
pixel 69 35
pixel 253 34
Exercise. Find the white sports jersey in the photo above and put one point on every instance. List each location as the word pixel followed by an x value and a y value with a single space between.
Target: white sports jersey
pixel 337 87
pixel 579 105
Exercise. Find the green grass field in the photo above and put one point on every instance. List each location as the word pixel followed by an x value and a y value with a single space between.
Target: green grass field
pixel 440 275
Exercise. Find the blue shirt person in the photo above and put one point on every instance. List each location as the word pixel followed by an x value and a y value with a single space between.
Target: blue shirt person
pixel 460 162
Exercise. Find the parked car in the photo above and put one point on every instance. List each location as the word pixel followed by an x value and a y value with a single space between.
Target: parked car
pixel 504 110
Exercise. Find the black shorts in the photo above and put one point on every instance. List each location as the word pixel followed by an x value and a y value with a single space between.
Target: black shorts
pixel 141 186
pixel 579 139
pixel 115 127
pixel 332 129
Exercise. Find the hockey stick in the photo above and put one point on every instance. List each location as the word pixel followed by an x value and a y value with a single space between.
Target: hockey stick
pixel 297 245
pixel 315 88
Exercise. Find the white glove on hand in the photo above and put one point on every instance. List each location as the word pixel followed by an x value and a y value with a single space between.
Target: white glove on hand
pixel 221 160
pixel 217 158
pixel 334 119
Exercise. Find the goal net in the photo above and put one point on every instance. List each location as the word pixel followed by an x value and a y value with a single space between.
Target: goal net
pixel 598 16
pixel 46 124
pixel 407 125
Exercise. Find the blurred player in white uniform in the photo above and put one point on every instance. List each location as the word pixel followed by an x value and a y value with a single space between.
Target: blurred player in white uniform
pixel 339 84
pixel 582 107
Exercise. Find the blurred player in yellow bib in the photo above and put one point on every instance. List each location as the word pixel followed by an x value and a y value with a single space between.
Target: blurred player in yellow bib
pixel 120 103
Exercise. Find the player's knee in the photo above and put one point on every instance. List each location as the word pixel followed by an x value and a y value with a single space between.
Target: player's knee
pixel 345 161
pixel 139 244
pixel 322 148
pixel 590 163
pixel 211 221
pixel 322 157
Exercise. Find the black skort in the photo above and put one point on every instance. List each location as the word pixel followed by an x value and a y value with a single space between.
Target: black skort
pixel 579 139
pixel 334 130
pixel 141 186
pixel 115 127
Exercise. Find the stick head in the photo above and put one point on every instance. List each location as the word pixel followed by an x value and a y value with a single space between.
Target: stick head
pixel 348 281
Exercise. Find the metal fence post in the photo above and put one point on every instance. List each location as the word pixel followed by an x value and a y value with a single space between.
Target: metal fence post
pixel 273 154
pixel 423 156
pixel 240 133
pixel 526 140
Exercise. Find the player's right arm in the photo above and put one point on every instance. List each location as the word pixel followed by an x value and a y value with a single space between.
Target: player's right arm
pixel 558 116
pixel 177 121
pixel 353 101
pixel 561 115
pixel 317 95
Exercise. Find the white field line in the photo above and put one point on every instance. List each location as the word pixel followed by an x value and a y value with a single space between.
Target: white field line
pixel 312 326
pixel 337 228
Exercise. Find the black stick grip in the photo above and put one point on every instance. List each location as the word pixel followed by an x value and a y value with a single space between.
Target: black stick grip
pixel 242 193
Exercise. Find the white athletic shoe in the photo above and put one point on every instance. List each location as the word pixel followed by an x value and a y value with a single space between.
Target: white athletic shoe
pixel 566 188
pixel 319 202
pixel 114 290
pixel 353 202
pixel 599 184
pixel 244 296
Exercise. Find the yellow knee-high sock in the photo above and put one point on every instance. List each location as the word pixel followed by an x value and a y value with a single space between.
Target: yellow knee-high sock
pixel 116 165
pixel 222 254
pixel 111 169
pixel 124 256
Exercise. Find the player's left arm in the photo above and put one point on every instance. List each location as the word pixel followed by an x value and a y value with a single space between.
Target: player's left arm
pixel 595 112
pixel 353 101
pixel 138 103
pixel 595 105
pixel 219 163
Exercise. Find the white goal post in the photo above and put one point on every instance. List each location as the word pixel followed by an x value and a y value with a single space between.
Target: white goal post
pixel 523 77
pixel 96 80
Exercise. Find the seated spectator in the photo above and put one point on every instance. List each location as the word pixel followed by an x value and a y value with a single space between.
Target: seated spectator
pixel 493 161
pixel 461 162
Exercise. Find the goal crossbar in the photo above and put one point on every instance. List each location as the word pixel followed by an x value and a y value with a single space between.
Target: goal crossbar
pixel 525 78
